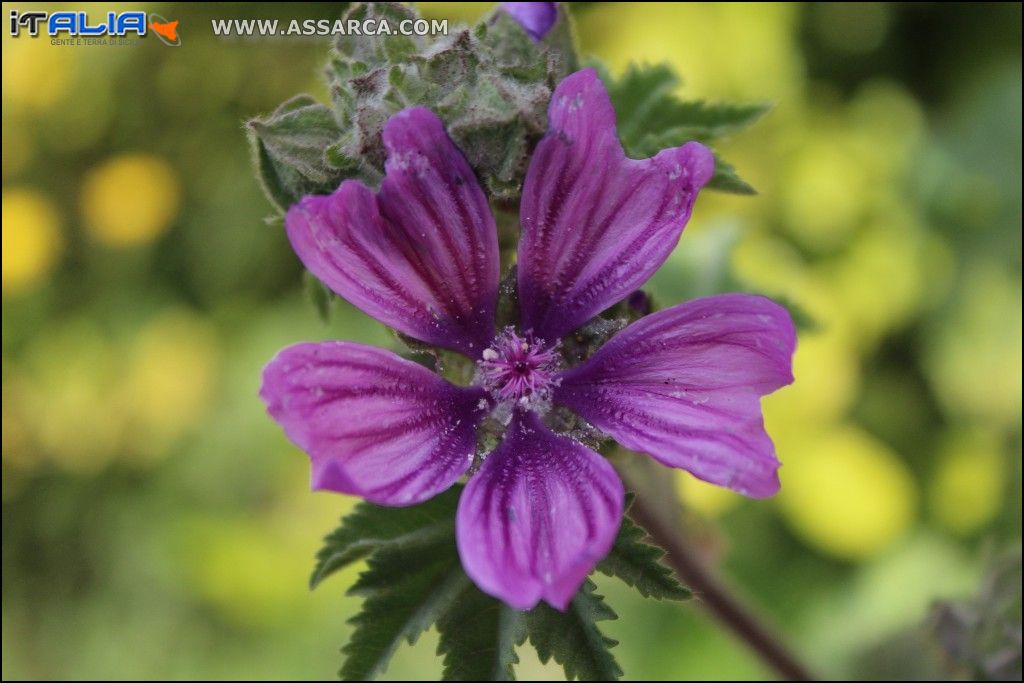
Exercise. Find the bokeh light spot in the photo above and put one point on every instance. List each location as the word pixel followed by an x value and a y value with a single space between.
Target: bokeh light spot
pixel 32 240
pixel 967 490
pixel 848 494
pixel 703 497
pixel 169 380
pixel 35 75
pixel 130 200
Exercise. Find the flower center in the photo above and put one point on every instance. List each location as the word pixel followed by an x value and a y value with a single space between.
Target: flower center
pixel 519 368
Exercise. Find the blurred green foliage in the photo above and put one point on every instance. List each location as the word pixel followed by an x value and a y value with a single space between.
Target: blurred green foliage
pixel 157 524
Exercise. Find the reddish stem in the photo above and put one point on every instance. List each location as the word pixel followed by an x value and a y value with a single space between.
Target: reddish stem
pixel 663 524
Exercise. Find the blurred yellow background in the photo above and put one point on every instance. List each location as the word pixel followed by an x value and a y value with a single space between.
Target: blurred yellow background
pixel 157 524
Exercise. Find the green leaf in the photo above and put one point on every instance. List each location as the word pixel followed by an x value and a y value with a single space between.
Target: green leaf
pixel 714 119
pixel 319 294
pixel 289 148
pixel 645 103
pixel 638 564
pixel 638 92
pixel 651 118
pixel 370 527
pixel 478 637
pixel 274 181
pixel 402 601
pixel 726 179
pixel 414 579
pixel 572 638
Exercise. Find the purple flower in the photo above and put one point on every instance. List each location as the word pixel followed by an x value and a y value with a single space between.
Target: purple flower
pixel 536 18
pixel 421 255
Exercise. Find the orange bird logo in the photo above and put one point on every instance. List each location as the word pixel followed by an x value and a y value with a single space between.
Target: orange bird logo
pixel 168 30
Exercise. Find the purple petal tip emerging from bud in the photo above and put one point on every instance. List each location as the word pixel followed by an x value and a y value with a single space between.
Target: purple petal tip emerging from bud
pixel 536 17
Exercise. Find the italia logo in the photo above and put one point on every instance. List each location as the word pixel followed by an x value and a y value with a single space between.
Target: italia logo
pixel 78 24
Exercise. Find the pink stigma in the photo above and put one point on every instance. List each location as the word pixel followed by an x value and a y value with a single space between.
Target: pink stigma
pixel 518 368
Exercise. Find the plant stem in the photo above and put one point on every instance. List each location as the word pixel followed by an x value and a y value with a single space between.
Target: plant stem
pixel 665 528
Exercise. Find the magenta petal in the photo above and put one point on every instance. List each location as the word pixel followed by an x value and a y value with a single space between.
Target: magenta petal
pixel 420 256
pixel 373 424
pixel 684 386
pixel 537 517
pixel 595 224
